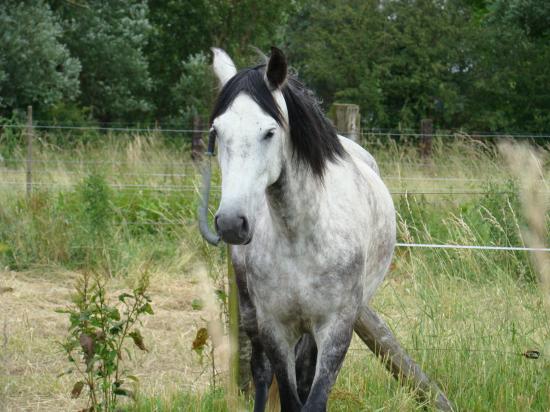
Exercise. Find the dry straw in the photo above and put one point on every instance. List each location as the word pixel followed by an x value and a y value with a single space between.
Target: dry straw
pixel 526 163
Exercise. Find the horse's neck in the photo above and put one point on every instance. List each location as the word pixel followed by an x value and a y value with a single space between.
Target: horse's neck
pixel 295 200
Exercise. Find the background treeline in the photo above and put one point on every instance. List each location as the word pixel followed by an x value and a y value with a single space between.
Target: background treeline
pixel 472 64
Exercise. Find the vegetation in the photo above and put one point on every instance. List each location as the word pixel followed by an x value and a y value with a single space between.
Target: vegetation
pixel 117 204
pixel 114 203
pixel 477 65
pixel 98 332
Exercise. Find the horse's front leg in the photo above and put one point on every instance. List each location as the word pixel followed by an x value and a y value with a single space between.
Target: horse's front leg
pixel 333 339
pixel 262 372
pixel 279 348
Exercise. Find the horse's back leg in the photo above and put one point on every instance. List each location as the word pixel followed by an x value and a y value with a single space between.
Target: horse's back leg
pixel 380 339
pixel 306 359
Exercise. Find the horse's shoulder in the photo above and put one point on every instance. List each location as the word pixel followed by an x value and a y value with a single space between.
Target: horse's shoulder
pixel 359 154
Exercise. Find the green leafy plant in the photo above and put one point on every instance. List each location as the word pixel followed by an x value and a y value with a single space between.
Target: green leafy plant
pixel 98 331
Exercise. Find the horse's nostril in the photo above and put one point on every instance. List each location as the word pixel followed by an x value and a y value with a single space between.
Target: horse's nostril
pixel 244 224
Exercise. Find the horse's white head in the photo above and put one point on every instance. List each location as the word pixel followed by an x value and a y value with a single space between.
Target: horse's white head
pixel 250 121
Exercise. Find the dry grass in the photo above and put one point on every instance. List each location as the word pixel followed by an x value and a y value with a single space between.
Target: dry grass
pixel 32 360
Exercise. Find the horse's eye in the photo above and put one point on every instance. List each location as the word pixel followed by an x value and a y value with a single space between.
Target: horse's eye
pixel 269 134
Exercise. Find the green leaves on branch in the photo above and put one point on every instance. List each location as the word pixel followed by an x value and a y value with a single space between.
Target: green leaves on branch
pixel 98 329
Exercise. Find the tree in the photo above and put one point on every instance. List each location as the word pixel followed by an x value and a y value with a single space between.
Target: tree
pixel 399 60
pixel 108 37
pixel 510 78
pixel 185 28
pixel 35 67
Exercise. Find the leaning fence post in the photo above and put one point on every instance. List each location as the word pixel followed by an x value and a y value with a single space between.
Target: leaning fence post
pixel 197 146
pixel 347 120
pixel 29 132
pixel 233 311
pixel 426 132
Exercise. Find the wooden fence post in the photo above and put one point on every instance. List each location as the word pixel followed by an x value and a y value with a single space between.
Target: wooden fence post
pixel 426 131
pixel 347 120
pixel 29 151
pixel 233 311
pixel 197 145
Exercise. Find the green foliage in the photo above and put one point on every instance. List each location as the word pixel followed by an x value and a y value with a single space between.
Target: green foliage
pixel 193 95
pixel 108 38
pixel 184 30
pixel 98 331
pixel 466 64
pixel 95 227
pixel 11 139
pixel 507 85
pixel 36 68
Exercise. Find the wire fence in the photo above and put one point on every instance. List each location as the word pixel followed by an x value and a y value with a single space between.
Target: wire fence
pixel 14 185
pixel 364 132
pixel 11 185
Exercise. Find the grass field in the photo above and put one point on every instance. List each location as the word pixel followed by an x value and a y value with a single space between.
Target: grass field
pixel 121 202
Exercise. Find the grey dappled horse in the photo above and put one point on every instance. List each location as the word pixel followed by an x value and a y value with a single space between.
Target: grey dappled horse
pixel 312 227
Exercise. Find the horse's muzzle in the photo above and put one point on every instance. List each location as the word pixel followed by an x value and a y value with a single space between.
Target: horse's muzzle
pixel 232 228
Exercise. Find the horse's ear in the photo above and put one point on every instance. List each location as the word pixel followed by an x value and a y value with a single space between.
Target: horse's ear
pixel 276 69
pixel 224 68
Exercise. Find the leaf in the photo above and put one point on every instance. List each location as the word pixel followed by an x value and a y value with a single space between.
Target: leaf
pixel 99 335
pixel 146 309
pixel 77 389
pixel 87 344
pixel 123 296
pixel 114 313
pixel 138 339
pixel 200 340
pixel 124 392
pixel 197 304
pixel 133 378
pixel 116 328
pixel 65 373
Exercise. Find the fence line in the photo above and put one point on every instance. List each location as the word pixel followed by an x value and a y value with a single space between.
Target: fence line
pixel 68 172
pixel 363 133
pixel 100 162
pixel 471 247
pixel 217 189
pixel 107 129
pixel 529 354
pixel 399 178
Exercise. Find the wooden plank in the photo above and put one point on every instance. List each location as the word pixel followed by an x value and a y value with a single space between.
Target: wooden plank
pixel 381 341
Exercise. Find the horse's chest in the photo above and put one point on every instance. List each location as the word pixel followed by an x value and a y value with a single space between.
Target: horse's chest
pixel 297 284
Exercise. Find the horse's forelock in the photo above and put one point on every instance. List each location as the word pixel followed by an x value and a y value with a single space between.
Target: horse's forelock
pixel 313 136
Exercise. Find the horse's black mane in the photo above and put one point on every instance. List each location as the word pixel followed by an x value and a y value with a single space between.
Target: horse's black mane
pixel 313 136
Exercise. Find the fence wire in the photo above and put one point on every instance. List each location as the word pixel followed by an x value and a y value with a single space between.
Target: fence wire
pixel 364 132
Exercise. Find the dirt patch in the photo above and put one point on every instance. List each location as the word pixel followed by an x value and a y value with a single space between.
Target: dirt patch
pixel 30 331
